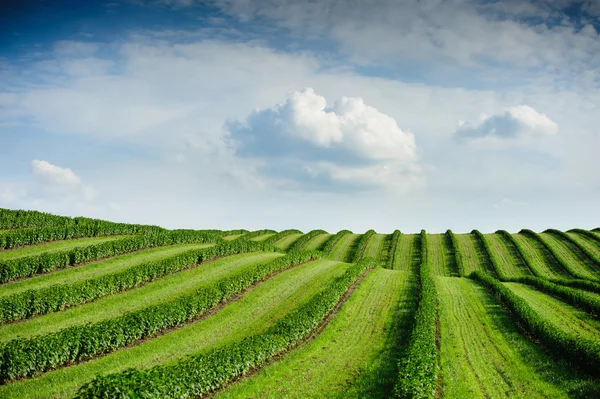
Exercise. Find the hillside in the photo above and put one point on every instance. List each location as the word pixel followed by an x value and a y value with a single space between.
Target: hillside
pixel 96 309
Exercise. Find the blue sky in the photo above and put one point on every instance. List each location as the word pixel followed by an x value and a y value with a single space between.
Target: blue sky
pixel 334 114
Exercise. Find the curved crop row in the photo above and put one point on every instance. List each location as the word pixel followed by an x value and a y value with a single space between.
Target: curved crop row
pixel 302 241
pixel 280 235
pixel 37 302
pixel 362 245
pixel 457 254
pixel 559 259
pixel 234 232
pixel 45 262
pixel 565 237
pixel 586 285
pixel 206 372
pixel 334 240
pixel 26 357
pixel 418 367
pixel 579 351
pixel 584 301
pixel 389 264
pixel 256 233
pixel 521 251
pixel 495 267
pixel 587 233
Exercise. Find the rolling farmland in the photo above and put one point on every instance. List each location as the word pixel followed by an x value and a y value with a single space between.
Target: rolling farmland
pixel 96 309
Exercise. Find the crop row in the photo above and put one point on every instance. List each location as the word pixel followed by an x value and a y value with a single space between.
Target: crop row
pixel 579 351
pixel 256 233
pixel 203 373
pixel 280 235
pixel 302 241
pixel 523 252
pixel 565 237
pixel 25 357
pixel 389 264
pixel 45 262
pixel 553 251
pixel 588 234
pixel 328 247
pixel 36 302
pixel 362 245
pixel 583 300
pixel 418 366
pixel 234 232
pixel 586 285
pixel 493 266
pixel 458 256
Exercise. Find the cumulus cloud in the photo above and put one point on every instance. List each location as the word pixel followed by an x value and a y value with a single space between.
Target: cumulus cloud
pixel 348 142
pixel 514 123
pixel 54 174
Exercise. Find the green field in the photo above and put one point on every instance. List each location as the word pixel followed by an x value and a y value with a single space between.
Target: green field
pixel 265 320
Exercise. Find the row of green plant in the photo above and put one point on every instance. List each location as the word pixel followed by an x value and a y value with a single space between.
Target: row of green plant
pixel 256 233
pixel 589 234
pixel 587 285
pixel 567 238
pixel 328 247
pixel 362 245
pixel 206 372
pixel 281 234
pixel 523 252
pixel 302 241
pixel 45 262
pixel 25 357
pixel 418 365
pixel 491 261
pixel 460 265
pixel 583 300
pixel 389 264
pixel 584 353
pixel 234 232
pixel 560 260
pixel 37 302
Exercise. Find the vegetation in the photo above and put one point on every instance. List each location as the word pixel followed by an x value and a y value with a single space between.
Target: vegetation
pixel 361 246
pixel 333 240
pixel 299 244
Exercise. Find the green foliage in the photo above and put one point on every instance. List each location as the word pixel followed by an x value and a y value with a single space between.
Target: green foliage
pixel 393 248
pixel 521 251
pixel 552 250
pixel 203 373
pixel 234 232
pixel 491 257
pixel 457 253
pixel 302 241
pixel 36 302
pixel 418 366
pixel 281 234
pixel 565 237
pixel 587 285
pixel 328 247
pixel 48 261
pixel 362 245
pixel 26 357
pixel 579 351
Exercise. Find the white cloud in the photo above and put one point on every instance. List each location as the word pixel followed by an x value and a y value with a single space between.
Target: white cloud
pixel 75 48
pixel 515 123
pixel 54 174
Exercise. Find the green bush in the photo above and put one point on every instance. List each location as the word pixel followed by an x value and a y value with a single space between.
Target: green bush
pixel 328 247
pixel 562 262
pixel 256 233
pixel 26 357
pixel 577 283
pixel 565 237
pixel 460 265
pixel 302 241
pixel 362 245
pixel 203 373
pixel 281 234
pixel 393 248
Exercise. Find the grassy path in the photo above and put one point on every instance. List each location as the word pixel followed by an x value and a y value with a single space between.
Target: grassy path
pixel 440 257
pixel 54 246
pixel 95 269
pixel 375 246
pixel 484 356
pixel 507 257
pixel 317 242
pixel 471 255
pixel 262 237
pixel 573 256
pixel 407 253
pixel 356 354
pixel 157 291
pixel 589 243
pixel 287 241
pixel 562 316
pixel 540 257
pixel 344 248
pixel 251 314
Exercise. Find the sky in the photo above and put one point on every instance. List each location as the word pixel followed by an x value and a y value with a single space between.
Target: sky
pixel 339 114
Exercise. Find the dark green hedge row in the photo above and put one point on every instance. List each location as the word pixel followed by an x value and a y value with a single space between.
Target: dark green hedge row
pixel 389 264
pixel 565 237
pixel 256 233
pixel 37 302
pixel 234 232
pixel 362 245
pixel 583 300
pixel 418 366
pixel 566 266
pixel 18 219
pixel 460 265
pixel 492 261
pixel 302 241
pixel 582 352
pixel 575 283
pixel 206 372
pixel 45 262
pixel 26 357
pixel 594 237
pixel 328 247
pixel 524 253
pixel 281 234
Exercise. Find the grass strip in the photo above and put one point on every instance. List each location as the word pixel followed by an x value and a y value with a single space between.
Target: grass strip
pixel 581 351
pixel 362 245
pixel 377 247
pixel 206 372
pixel 458 255
pixel 36 302
pixel 391 259
pixel 45 262
pixel 255 234
pixel 284 233
pixel 26 357
pixel 488 257
pixel 333 240
pixel 299 244
pixel 287 241
pixel 317 243
pixel 539 261
pixel 555 252
pixel 419 362
pixel 586 285
pixel 509 263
